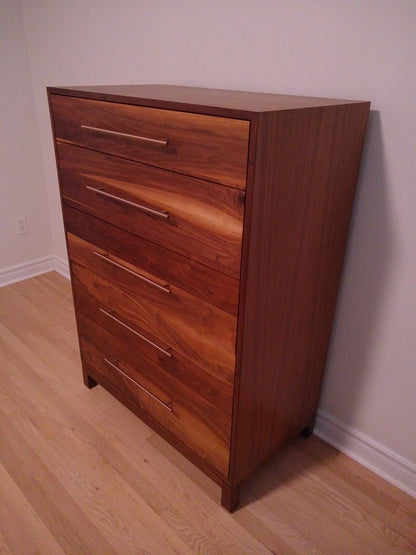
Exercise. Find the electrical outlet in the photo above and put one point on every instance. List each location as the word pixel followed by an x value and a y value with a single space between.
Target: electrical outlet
pixel 21 225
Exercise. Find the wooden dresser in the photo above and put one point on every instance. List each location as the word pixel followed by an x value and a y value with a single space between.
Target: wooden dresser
pixel 206 231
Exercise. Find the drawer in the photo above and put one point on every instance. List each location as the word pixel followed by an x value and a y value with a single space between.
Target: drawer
pixel 105 332
pixel 165 328
pixel 189 275
pixel 196 218
pixel 210 147
pixel 166 401
pixel 152 293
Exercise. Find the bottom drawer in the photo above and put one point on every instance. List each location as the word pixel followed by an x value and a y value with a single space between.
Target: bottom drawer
pixel 203 429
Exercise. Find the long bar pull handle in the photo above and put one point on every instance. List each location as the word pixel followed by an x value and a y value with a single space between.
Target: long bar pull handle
pixel 160 213
pixel 155 345
pixel 161 142
pixel 167 406
pixel 164 288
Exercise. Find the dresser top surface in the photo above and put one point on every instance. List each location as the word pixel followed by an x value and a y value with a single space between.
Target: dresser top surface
pixel 196 98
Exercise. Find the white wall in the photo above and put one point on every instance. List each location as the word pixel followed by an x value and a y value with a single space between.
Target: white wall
pixel 22 183
pixel 363 50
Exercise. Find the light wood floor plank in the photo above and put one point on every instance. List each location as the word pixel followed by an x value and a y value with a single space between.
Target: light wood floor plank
pixel 4 548
pixel 80 474
pixel 24 531
pixel 338 520
pixel 274 533
pixel 61 514
pixel 359 493
pixel 81 463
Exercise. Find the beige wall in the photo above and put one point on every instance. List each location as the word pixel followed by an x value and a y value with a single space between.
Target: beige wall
pixel 22 183
pixel 362 50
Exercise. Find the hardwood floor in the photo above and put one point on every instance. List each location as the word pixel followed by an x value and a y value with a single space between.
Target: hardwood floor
pixel 80 474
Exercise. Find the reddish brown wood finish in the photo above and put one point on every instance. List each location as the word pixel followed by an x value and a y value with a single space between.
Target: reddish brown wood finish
pixel 187 416
pixel 218 102
pixel 230 496
pixel 156 325
pixel 173 439
pixel 197 145
pixel 175 303
pixel 265 289
pixel 205 220
pixel 201 281
pixel 106 333
pixel 302 198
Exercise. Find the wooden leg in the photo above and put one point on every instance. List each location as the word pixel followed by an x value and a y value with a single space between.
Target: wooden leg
pixel 230 497
pixel 88 381
pixel 308 431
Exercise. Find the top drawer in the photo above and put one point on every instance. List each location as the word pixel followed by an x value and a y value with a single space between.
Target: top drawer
pixel 211 147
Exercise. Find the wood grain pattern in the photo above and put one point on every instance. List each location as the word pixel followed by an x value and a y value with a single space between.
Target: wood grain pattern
pixel 198 145
pixel 159 326
pixel 106 333
pixel 15 508
pixel 308 180
pixel 227 103
pixel 81 474
pixel 189 418
pixel 205 220
pixel 171 302
pixel 201 281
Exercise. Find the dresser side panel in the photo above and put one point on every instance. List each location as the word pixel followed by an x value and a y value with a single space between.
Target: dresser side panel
pixel 305 174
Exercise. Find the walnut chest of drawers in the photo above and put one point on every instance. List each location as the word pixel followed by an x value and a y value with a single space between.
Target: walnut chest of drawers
pixel 206 231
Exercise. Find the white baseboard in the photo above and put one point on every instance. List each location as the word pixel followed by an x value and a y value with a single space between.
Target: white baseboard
pixel 376 457
pixel 19 272
pixel 62 267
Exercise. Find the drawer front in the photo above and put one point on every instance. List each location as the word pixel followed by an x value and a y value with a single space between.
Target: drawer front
pixel 94 265
pixel 196 218
pixel 193 421
pixel 167 330
pixel 210 147
pixel 106 333
pixel 215 288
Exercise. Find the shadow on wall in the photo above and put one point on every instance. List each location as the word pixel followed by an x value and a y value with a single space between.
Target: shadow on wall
pixel 369 253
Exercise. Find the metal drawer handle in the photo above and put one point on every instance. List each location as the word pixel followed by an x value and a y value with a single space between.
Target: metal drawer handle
pixel 167 406
pixel 165 288
pixel 160 213
pixel 158 347
pixel 162 142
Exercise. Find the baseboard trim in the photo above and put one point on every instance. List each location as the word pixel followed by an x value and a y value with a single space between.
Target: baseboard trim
pixel 376 457
pixel 62 267
pixel 32 268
